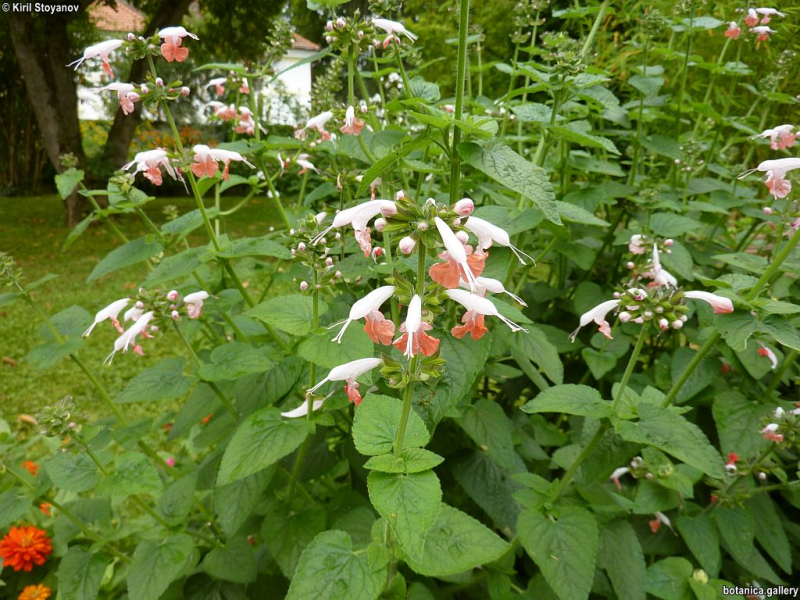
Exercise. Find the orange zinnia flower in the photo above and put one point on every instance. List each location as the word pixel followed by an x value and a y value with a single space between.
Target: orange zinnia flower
pixel 31 467
pixel 35 592
pixel 22 547
pixel 45 508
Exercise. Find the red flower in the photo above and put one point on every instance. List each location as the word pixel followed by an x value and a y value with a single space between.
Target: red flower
pixel 31 467
pixel 473 324
pixel 22 547
pixel 450 273
pixel 45 508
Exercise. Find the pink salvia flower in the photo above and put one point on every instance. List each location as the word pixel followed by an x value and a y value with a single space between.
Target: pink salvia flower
pixel 763 32
pixel 318 124
pixel 109 312
pixel 780 137
pixel 636 244
pixel 364 308
pixel 598 315
pixel 767 14
pixel 101 50
pixel 349 373
pixel 720 304
pixel 414 339
pixel 352 124
pixel 150 163
pixel 752 18
pixel 455 250
pixel 171 49
pixel 218 84
pixel 733 31
pixel 206 159
pixel 493 286
pixel 481 306
pixel 393 28
pixel 617 474
pixel 307 166
pixel 661 277
pixel 764 351
pixel 489 234
pixel 194 303
pixel 128 338
pixel 358 216
pixel 770 433
pixel 126 94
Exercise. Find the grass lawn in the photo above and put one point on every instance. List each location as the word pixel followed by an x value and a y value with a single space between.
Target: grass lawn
pixel 32 230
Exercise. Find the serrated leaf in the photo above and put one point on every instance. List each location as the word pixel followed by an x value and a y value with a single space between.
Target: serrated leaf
pixel 571 134
pixel 537 348
pixel 176 266
pixel 80 574
pixel 702 538
pixel 505 166
pixel 176 501
pixel 330 570
pixel 73 472
pixel 489 427
pixel 668 579
pixel 410 504
pixel 164 381
pixel 234 502
pixel 620 554
pixel 257 246
pixel 67 181
pixel 12 506
pixel 77 231
pixel 125 256
pixel 564 548
pixel 770 532
pixel 734 415
pixel 491 487
pixel 377 169
pixel 289 530
pixel 412 460
pixel 234 360
pixel 260 440
pixel 571 399
pixel 320 350
pixel 457 543
pixel 292 314
pixel 157 564
pixel 670 432
pixel 235 562
pixel 134 474
pixel 377 421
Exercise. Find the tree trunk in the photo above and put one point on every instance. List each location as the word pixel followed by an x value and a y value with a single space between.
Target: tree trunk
pixel 42 57
pixel 122 130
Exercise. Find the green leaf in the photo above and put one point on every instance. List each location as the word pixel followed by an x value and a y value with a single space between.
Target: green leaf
pixel 409 503
pixel 599 363
pixel 620 554
pixel 702 538
pixel 505 166
pixel 742 260
pixel 670 432
pixel 80 574
pixel 376 422
pixel 67 181
pixel 575 214
pixel 571 399
pixel 292 314
pixel 234 360
pixel 537 348
pixel 164 381
pixel 737 526
pixel 176 501
pixel 565 549
pixel 377 169
pixel 235 562
pixel 330 570
pixel 177 266
pixel 770 532
pixel 320 350
pixel 489 427
pixel 129 254
pixel 533 112
pixel 234 502
pixel 668 579
pixel 44 356
pixel 573 134
pixel 734 415
pixel 258 246
pixel 77 231
pixel 73 472
pixel 289 531
pixel 260 440
pixel 134 474
pixel 12 506
pixel 648 86
pixel 157 564
pixel 419 88
pixel 412 460
pixel 672 225
pixel 188 222
pixel 457 543
pixel 490 487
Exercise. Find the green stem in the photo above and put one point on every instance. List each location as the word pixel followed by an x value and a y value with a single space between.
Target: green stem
pixel 639 125
pixel 685 71
pixel 455 157
pixel 601 14
pixel 631 365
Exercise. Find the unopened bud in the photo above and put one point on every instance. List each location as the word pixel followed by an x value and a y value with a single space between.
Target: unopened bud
pixel 669 242
pixel 338 274
pixel 677 324
pixel 407 245
pixel 185 92
pixel 624 317
pixel 145 89
pixel 329 26
pixel 422 226
pixel 175 315
pixel 329 262
pixel 380 224
pixel 303 286
pixel 173 295
pixel 700 576
pixel 767 210
pixel 462 236
pixel 464 207
pixel 159 81
pixel 301 247
pixel 134 97
pixel 340 22
pixel 663 324
pixel 629 265
pixel 131 37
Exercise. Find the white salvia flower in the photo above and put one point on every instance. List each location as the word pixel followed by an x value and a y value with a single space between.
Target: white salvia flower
pixel 598 315
pixel 663 518
pixel 348 371
pixel 413 323
pixel 173 34
pixel 101 50
pixel 489 234
pixel 219 85
pixel 150 163
pixel 720 304
pixel 393 28
pixel 493 286
pixel 364 307
pixel 636 244
pixel 302 410
pixel 358 216
pixel 780 137
pixel 617 474
pixel 482 306
pixel 134 312
pixel 194 303
pixel 765 351
pixel 320 217
pixel 319 121
pixel 769 12
pixel 455 250
pixel 763 31
pixel 205 160
pixel 779 413
pixel 125 93
pixel 129 337
pixel 109 312
pixel 661 277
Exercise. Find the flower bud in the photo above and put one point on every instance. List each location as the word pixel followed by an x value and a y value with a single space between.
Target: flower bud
pixel 407 245
pixel 329 26
pixel 328 39
pixel 363 107
pixel 464 207
pixel 303 286
pixel 360 34
pixel 185 92
pixel 173 295
pixel 624 317
pixel 677 324
pixel 159 81
pixel 329 262
pixel 134 97
pixel 139 304
pixel 669 242
pixel 400 195
pixel 700 576
pixel 762 476
pixel 629 265
pixel 175 315
pixel 767 210
pixel 617 295
pixel 131 37
pixel 145 89
pixel 301 247
pixel 340 22
pixel 380 224
pixel 422 226
pixel 462 236
pixel 663 324
pixel 338 274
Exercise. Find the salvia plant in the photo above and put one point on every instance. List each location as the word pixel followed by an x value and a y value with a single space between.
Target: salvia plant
pixel 536 346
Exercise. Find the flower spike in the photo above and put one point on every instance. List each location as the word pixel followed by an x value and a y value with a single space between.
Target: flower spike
pixel 363 308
